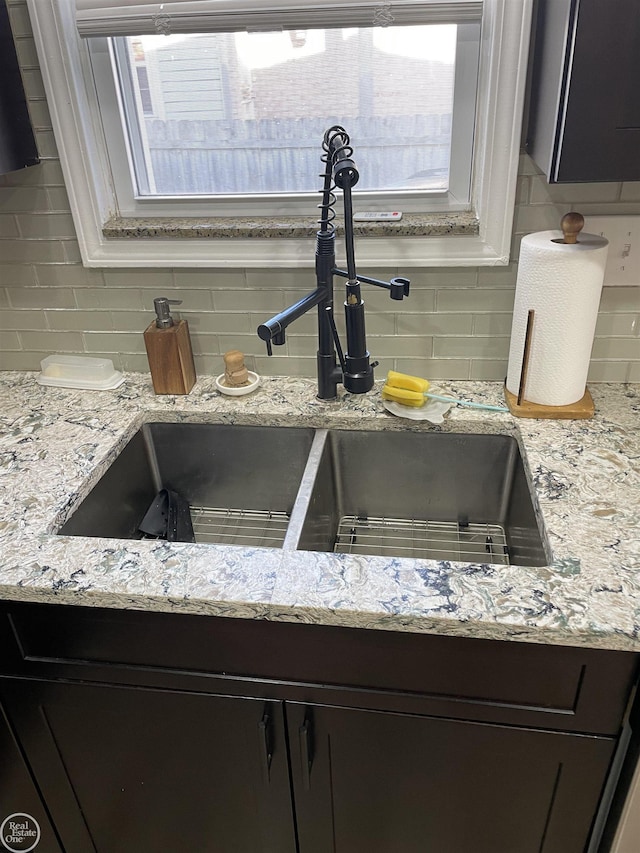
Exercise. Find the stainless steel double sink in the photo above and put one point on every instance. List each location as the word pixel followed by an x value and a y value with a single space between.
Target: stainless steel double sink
pixel 431 495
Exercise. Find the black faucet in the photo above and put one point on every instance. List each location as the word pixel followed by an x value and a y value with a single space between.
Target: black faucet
pixel 353 368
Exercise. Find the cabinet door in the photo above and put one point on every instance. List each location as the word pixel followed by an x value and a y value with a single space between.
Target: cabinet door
pixel 20 803
pixel 371 782
pixel 125 769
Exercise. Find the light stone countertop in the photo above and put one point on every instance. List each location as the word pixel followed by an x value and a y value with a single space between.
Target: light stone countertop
pixel 56 443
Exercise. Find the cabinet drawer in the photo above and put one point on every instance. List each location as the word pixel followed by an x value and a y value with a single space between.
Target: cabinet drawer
pixel 549 686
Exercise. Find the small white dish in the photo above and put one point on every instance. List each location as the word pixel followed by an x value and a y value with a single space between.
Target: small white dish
pixel 433 411
pixel 240 391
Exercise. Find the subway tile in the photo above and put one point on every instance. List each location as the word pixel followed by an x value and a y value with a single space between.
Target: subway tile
pixel 68 275
pixel 283 366
pixel 33 251
pixel 33 85
pixel 133 362
pixel 58 199
pixel 116 299
pixel 616 325
pixel 269 301
pixel 192 300
pixel 133 321
pixel 52 342
pixel 435 368
pixel 41 297
pixel 46 225
pixel 401 346
pixel 20 360
pixel 419 301
pixel 19 19
pixel 433 324
pixel 383 324
pixel 630 191
pixel 203 343
pixel 537 217
pixel 9 340
pixel 71 251
pixel 498 276
pixel 79 321
pixel 616 348
pixel 475 300
pixel 19 199
pixel 608 371
pixel 616 299
pixel 22 320
pixel 26 52
pixel 489 370
pixel 114 342
pixel 213 279
pixel 14 275
pixel 4 299
pixel 492 324
pixel 39 114
pixel 160 279
pixel 46 143
pixel 8 227
pixel 441 277
pixel 218 322
pixel 301 280
pixel 472 347
pixel 302 346
pixel 554 194
pixel 633 374
pixel 47 172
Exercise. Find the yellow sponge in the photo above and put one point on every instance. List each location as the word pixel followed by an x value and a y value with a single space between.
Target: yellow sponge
pixel 403 380
pixel 404 396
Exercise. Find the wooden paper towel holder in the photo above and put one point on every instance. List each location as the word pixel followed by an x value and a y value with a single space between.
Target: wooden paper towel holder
pixel 571 225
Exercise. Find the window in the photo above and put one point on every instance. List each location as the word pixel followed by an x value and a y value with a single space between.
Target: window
pixel 214 119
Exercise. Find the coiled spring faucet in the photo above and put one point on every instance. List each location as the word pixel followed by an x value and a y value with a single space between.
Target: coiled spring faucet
pixel 353 367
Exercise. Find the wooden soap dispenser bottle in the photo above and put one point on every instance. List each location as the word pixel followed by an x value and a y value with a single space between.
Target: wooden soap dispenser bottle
pixel 169 351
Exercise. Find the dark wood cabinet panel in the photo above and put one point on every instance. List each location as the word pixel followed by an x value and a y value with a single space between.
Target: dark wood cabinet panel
pixel 516 683
pixel 206 733
pixel 584 121
pixel 367 782
pixel 18 793
pixel 151 771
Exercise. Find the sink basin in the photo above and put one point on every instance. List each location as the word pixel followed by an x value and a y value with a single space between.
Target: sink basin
pixel 240 482
pixel 439 496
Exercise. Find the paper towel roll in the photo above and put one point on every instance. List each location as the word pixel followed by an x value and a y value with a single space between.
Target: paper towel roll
pixel 562 283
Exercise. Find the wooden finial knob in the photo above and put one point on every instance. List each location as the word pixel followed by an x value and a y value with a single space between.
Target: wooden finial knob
pixel 572 224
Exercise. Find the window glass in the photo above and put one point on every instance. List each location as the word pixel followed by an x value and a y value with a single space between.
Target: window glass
pixel 243 113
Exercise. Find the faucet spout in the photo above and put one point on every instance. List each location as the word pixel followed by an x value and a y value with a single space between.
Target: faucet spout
pixel 354 369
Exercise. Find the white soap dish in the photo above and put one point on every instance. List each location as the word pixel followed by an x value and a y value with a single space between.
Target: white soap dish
pixel 240 390
pixel 79 371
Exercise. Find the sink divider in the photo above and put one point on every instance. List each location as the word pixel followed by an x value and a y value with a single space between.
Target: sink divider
pixel 301 503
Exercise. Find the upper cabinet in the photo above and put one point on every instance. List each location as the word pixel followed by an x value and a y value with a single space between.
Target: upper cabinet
pixel 17 143
pixel 584 120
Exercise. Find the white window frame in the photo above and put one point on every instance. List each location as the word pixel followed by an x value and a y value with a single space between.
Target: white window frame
pixel 77 125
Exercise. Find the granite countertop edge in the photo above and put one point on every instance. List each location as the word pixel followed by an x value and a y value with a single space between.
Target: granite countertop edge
pixel 56 443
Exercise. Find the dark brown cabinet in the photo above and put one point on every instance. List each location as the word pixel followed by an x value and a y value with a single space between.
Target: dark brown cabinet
pixel 125 769
pixel 149 731
pixel 584 117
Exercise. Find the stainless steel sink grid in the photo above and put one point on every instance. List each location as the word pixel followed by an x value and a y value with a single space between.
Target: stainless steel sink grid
pixel 428 495
pixel 428 540
pixel 251 528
